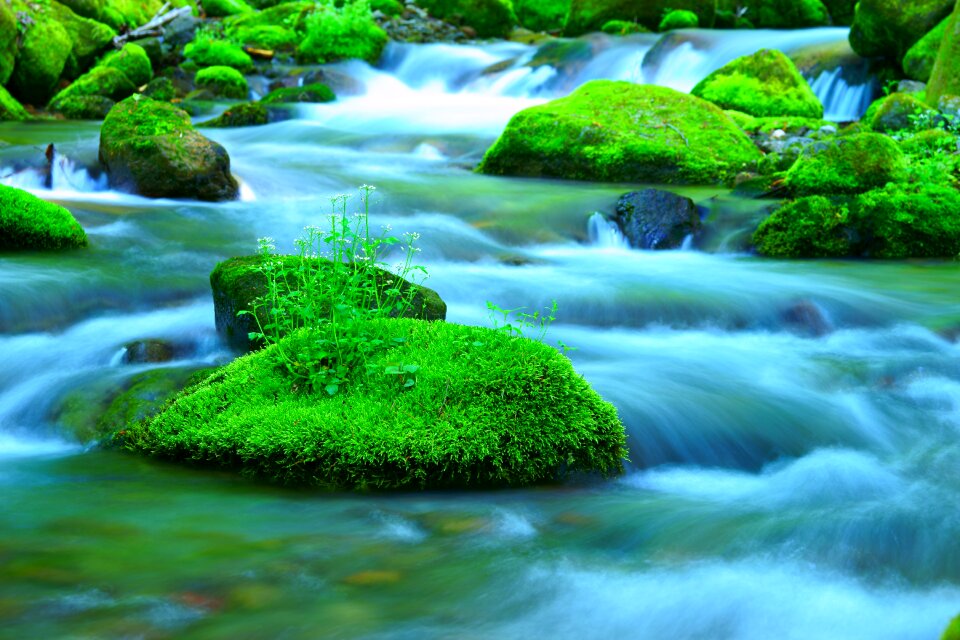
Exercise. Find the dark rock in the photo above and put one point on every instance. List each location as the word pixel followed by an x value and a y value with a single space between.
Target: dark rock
pixel 655 219
pixel 807 318
pixel 149 350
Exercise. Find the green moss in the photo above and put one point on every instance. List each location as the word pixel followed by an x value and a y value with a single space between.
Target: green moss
pixel 896 112
pixel 343 33
pixel 222 8
pixel 852 164
pixel 10 109
pixel 591 15
pixel 542 15
pixel 763 84
pixel 388 8
pixel 487 410
pixel 841 11
pixel 812 227
pixel 316 92
pixel 248 114
pixel 919 61
pixel 88 38
pixel 888 28
pixel 622 132
pixel 622 28
pixel 237 282
pixel 489 18
pixel 79 107
pixel 206 52
pixel 917 221
pixel 29 223
pixel 786 14
pixel 151 148
pixel 8 42
pixel 161 89
pixel 945 77
pixel 288 15
pixel 100 81
pixel 43 55
pixel 132 61
pixel 679 19
pixel 952 632
pixel 223 81
pixel 268 37
pixel 926 143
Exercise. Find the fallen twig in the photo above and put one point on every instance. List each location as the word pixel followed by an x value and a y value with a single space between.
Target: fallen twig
pixel 152 28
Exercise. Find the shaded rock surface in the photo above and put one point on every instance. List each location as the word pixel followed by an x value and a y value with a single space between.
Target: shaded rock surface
pixel 656 219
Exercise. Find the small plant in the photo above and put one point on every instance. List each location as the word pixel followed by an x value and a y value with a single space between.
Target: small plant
pixel 525 325
pixel 336 286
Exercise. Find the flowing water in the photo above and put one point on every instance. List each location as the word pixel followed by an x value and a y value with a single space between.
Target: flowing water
pixel 792 427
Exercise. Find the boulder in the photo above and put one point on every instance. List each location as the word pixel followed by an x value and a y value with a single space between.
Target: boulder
pixel 622 132
pixel 945 76
pixel 656 219
pixel 10 109
pixel 841 11
pixel 28 223
pixel 207 52
pixel 908 221
pixel 237 282
pixel 848 165
pixel 919 61
pixel 224 82
pixel 223 8
pixel 888 28
pixel 591 15
pixel 483 409
pixel 900 111
pixel 678 19
pixel 806 317
pixel 542 15
pixel 488 18
pixel 811 227
pixel 151 148
pixel 82 107
pixel 316 92
pixel 146 351
pixel 763 84
pixel 247 114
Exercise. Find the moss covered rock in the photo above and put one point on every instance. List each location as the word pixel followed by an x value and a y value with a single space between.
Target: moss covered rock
pixel 207 52
pixel 622 132
pixel 542 15
pixel 269 37
pixel 248 114
pixel 909 221
pixel 315 92
pixel 945 77
pixel 487 410
pixel 151 148
pixel 763 84
pixel 898 111
pixel 78 107
pixel 343 33
pixel 591 15
pixel 237 282
pixel 622 28
pixel 851 164
pixel 489 18
pixel 678 19
pixel 811 227
pixel 29 223
pixel 287 15
pixel 784 14
pixel 100 81
pixel 888 28
pixel 225 82
pixel 132 61
pixel 223 8
pixel 919 61
pixel 9 46
pixel 10 109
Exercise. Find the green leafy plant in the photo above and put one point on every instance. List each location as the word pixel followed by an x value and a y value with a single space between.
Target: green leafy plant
pixel 338 284
pixel 521 324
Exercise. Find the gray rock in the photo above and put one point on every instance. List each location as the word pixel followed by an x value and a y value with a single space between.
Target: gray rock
pixel 655 219
pixel 911 86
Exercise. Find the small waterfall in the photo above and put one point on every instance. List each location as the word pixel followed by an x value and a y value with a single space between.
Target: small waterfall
pixel 842 102
pixel 61 175
pixel 605 233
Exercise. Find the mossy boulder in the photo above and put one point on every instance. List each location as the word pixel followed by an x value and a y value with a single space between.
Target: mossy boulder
pixel 223 8
pixel 897 112
pixel 10 109
pixel 841 11
pixel 919 61
pixel 28 223
pixel 489 18
pixel 225 82
pixel 542 15
pixel 784 14
pixel 247 114
pixel 9 45
pixel 208 52
pixel 811 227
pixel 888 28
pixel 622 28
pixel 314 92
pixel 45 47
pixel 132 60
pixel 287 15
pixel 622 132
pixel 909 221
pixel 343 33
pixel 100 81
pixel 151 148
pixel 763 84
pixel 849 165
pixel 678 19
pixel 269 37
pixel 945 76
pixel 161 89
pixel 82 107
pixel 591 15
pixel 486 410
pixel 237 282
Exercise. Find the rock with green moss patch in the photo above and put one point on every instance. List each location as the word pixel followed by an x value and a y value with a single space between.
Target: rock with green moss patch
pixel 785 14
pixel 811 227
pixel 679 19
pixel 909 221
pixel 899 111
pixel 237 282
pixel 10 109
pixel 542 15
pixel 28 223
pixel 151 148
pixel 79 107
pixel 919 61
pixel 223 8
pixel 489 18
pixel 622 28
pixel 622 132
pixel 287 15
pixel 343 33
pixel 248 114
pixel 945 77
pixel 208 52
pixel 161 89
pixel 106 82
pixel 591 15
pixel 315 92
pixel 763 84
pixel 888 28
pixel 9 45
pixel 269 37
pixel 516 414
pixel 952 632
pixel 132 61
pixel 851 164
pixel 43 55
pixel 225 82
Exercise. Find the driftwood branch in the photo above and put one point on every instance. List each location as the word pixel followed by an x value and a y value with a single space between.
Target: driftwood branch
pixel 154 27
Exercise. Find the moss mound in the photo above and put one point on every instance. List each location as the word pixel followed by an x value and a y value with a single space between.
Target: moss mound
pixel 223 8
pixel 888 28
pixel 316 92
pixel 542 15
pixel 151 148
pixel 248 114
pixel 917 221
pixel 812 227
pixel 225 82
pixel 287 15
pixel 945 76
pixel 622 132
pixel 29 223
pixel 764 84
pixel 269 37
pixel 237 282
pixel 591 15
pixel 622 28
pixel 487 410
pixel 132 61
pixel 82 107
pixel 115 77
pixel 100 81
pixel 489 18
pixel 207 52
pixel 919 61
pixel 852 164
pixel 679 19
pixel 784 14
pixel 897 112
pixel 10 109
pixel 343 33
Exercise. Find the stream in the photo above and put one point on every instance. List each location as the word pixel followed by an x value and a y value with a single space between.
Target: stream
pixel 788 479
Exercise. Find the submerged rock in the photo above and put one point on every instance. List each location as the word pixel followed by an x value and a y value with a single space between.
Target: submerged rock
pixel 224 82
pixel 114 78
pixel 151 148
pixel 28 223
pixel 316 92
pixel 10 109
pixel 622 132
pixel 148 351
pixel 656 219
pixel 806 318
